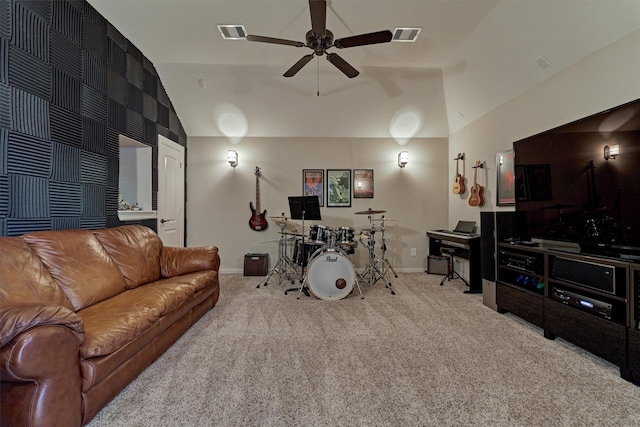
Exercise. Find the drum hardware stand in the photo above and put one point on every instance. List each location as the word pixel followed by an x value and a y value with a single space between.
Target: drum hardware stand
pixel 284 265
pixel 300 206
pixel 372 272
pixel 386 265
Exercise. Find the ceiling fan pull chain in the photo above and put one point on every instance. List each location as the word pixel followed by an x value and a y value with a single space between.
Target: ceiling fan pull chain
pixel 318 74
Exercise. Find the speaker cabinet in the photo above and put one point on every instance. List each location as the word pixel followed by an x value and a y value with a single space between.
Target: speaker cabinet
pixel 497 227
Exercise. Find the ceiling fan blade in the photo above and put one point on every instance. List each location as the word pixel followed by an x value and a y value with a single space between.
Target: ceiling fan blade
pixel 274 40
pixel 298 65
pixel 342 65
pixel 318 10
pixel 364 39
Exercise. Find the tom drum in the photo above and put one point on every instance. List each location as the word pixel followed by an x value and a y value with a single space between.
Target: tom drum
pixel 331 275
pixel 319 234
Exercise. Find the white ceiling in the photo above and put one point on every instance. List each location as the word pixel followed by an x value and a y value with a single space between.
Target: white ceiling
pixel 472 56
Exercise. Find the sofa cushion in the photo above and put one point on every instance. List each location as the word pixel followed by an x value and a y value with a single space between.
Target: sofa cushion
pixel 112 323
pixel 177 261
pixel 136 251
pixel 23 277
pixel 79 264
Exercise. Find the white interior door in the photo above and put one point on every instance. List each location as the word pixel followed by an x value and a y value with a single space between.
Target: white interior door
pixel 171 176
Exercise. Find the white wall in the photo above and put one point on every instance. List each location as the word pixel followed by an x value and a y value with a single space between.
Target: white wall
pixel 218 195
pixel 608 78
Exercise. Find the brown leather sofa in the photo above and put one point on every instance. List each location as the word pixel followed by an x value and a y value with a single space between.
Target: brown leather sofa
pixel 82 313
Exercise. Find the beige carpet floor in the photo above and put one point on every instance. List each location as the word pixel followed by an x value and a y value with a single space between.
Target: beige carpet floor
pixel 428 356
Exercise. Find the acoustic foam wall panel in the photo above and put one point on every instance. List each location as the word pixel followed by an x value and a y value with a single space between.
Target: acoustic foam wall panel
pixel 65 55
pixel 65 223
pixel 94 136
pixel 4 196
pixel 93 223
pixel 149 108
pixel 94 104
pixel 65 163
pixel 5 19
pixel 28 197
pixel 113 143
pixel 66 91
pixel 135 125
pixel 117 87
pixel 67 19
pixel 117 116
pixel 117 58
pixel 113 169
pixel 93 200
pixel 150 132
pixel 135 72
pixel 40 8
pixel 4 61
pixel 5 106
pixel 150 84
pixel 134 100
pixel 29 73
pixel 93 169
pixel 116 37
pixel 111 197
pixel 94 40
pixel 65 199
pixel 94 72
pixel 66 126
pixel 20 226
pixel 30 31
pixel 28 155
pixel 30 114
pixel 4 138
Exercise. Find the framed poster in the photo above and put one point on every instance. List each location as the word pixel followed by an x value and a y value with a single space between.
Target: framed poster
pixel 363 183
pixel 339 188
pixel 313 183
pixel 506 194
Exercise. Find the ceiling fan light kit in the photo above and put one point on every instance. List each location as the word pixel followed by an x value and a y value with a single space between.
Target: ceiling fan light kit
pixel 319 40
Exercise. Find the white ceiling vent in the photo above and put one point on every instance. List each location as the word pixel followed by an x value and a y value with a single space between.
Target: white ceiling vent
pixel 406 34
pixel 232 32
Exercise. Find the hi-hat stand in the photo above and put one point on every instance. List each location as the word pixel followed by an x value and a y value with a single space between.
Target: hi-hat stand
pixel 303 207
pixel 285 266
pixel 372 272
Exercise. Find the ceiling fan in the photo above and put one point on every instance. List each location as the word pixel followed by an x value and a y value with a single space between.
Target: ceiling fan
pixel 319 40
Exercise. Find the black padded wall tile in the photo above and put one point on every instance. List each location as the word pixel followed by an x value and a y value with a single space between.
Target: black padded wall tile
pixel 113 221
pixel 113 143
pixel 163 116
pixel 113 171
pixel 91 15
pixel 66 126
pixel 94 104
pixel 135 125
pixel 150 132
pixel 20 226
pixel 135 73
pixel 30 31
pixel 30 114
pixel 92 200
pixel 65 55
pixel 94 72
pixel 4 139
pixel 66 91
pixel 163 131
pixel 134 52
pixel 174 123
pixel 117 37
pixel 29 197
pixel 4 61
pixel 93 169
pixel 134 100
pixel 4 196
pixel 6 17
pixel 65 223
pixel 28 155
pixel 65 163
pixel 150 84
pixel 149 108
pixel 117 58
pixel 5 106
pixel 117 87
pixel 149 67
pixel 94 40
pixel 117 116
pixel 93 223
pixel 111 198
pixel 40 8
pixel 65 198
pixel 163 98
pixel 94 136
pixel 36 80
pixel 67 19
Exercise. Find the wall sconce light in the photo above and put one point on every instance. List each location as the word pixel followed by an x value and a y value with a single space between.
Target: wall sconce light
pixel 611 152
pixel 403 158
pixel 232 158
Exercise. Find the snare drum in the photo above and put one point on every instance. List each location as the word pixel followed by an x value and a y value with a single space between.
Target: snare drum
pixel 319 234
pixel 301 256
pixel 331 275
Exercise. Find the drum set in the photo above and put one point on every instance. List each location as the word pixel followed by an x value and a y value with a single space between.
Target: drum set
pixel 320 260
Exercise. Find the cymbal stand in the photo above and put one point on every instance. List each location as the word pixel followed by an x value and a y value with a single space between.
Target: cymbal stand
pixel 386 265
pixel 372 272
pixel 303 276
pixel 284 265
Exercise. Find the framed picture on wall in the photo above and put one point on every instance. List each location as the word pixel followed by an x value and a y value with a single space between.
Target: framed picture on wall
pixel 363 183
pixel 338 188
pixel 506 195
pixel 313 183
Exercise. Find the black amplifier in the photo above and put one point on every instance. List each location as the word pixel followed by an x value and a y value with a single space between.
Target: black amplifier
pixel 590 274
pixel 591 305
pixel 520 261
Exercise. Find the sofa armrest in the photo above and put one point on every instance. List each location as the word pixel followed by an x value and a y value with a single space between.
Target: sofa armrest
pixel 178 261
pixel 17 318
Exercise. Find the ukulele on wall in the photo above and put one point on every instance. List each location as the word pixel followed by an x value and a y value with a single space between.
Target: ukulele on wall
pixel 258 221
pixel 475 198
pixel 458 183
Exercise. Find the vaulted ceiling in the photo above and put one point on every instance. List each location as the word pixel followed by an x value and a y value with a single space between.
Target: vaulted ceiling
pixel 471 57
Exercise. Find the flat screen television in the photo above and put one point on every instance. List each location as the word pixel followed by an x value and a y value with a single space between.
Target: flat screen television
pixel 580 183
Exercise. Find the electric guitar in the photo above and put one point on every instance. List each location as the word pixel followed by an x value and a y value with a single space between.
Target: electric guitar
pixel 258 221
pixel 458 184
pixel 475 198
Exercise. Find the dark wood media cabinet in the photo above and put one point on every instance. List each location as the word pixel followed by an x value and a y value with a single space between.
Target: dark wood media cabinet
pixel 590 301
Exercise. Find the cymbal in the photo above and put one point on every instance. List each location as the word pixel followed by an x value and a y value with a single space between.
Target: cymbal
pixel 279 217
pixel 290 233
pixel 370 212
pixel 384 219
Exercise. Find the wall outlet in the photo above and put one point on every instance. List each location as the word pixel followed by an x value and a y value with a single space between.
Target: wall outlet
pixel 413 251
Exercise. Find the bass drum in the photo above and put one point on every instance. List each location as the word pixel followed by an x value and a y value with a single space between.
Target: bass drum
pixel 331 275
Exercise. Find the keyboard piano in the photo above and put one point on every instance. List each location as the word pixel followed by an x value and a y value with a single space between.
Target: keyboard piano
pixel 470 245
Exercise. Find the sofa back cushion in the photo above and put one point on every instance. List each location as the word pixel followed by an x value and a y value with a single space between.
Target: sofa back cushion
pixel 23 277
pixel 136 251
pixel 80 265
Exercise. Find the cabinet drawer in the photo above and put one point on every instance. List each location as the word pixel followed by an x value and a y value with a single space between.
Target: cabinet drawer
pixel 526 305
